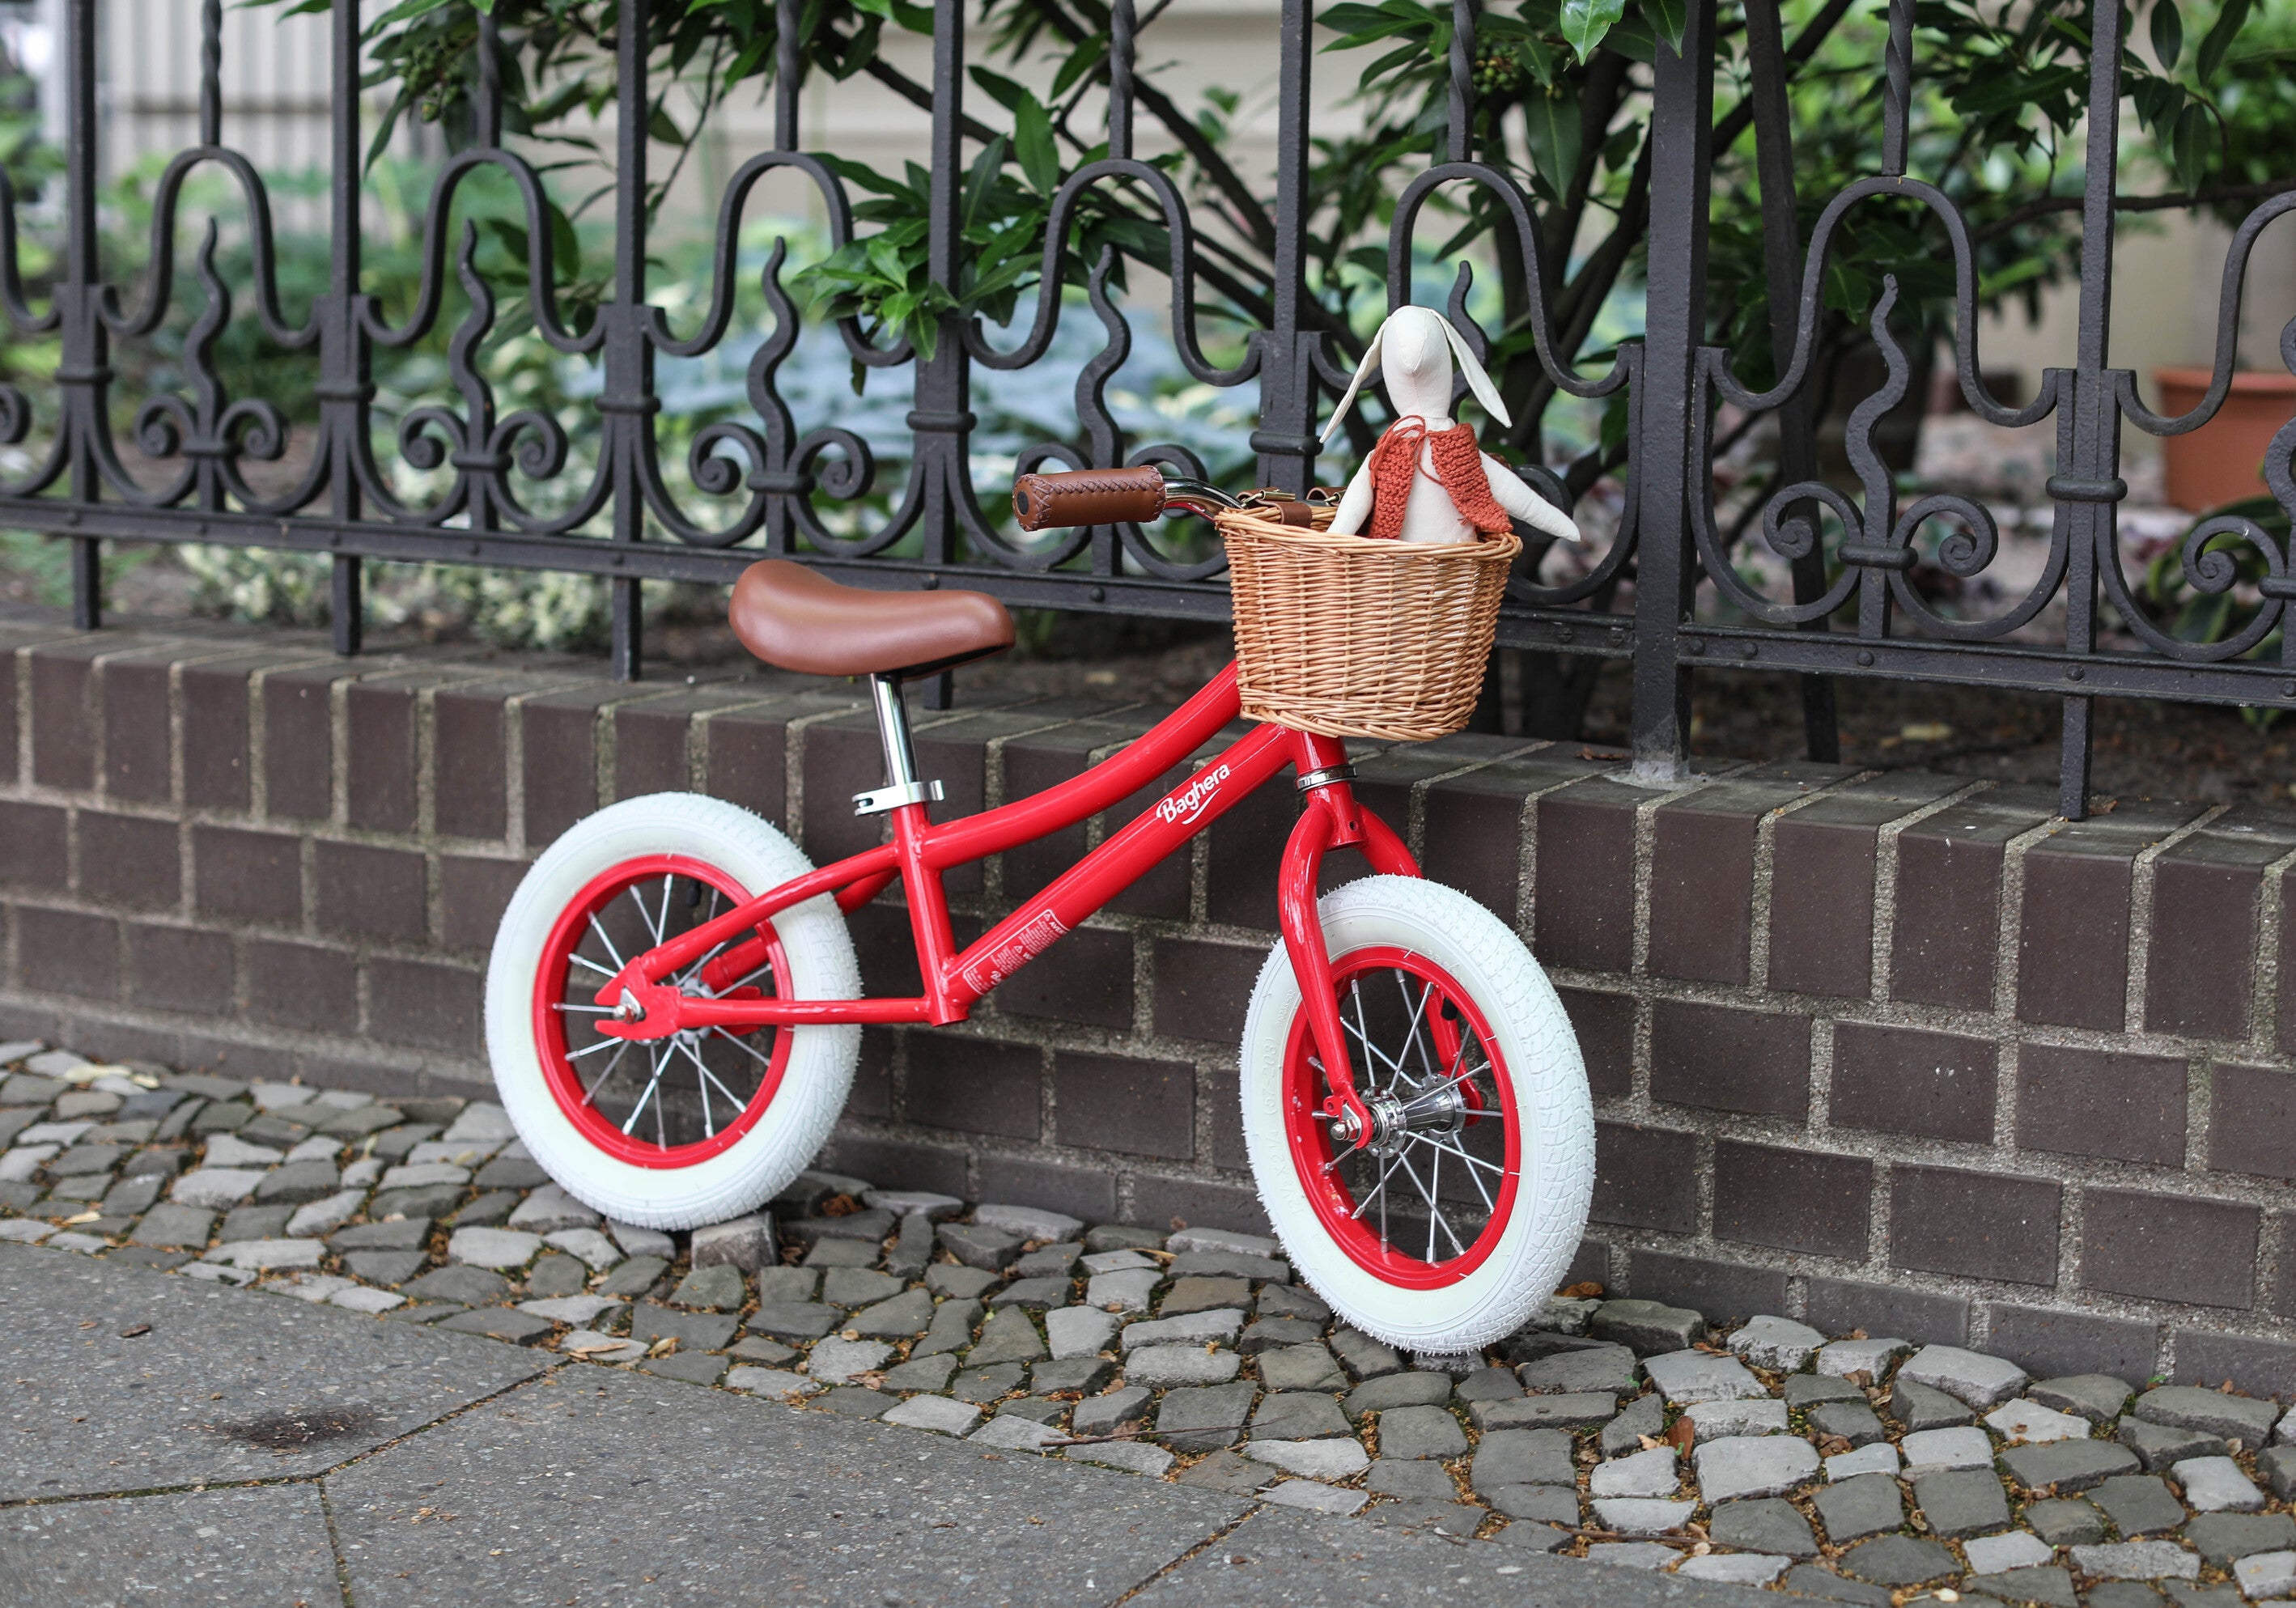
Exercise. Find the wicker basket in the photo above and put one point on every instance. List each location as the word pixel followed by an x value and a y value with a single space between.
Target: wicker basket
pixel 1347 636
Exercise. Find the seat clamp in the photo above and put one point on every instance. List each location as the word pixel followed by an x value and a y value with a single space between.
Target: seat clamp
pixel 1325 778
pixel 878 800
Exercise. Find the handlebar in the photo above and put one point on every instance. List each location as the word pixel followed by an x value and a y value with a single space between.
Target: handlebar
pixel 1112 497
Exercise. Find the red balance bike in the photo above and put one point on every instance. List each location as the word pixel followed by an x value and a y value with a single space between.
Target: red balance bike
pixel 674 1009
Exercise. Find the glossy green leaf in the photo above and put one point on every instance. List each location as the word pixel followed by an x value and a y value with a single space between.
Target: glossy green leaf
pixel 1586 22
pixel 2167 34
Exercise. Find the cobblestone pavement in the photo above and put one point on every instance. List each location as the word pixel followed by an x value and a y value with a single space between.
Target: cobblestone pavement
pixel 1245 1448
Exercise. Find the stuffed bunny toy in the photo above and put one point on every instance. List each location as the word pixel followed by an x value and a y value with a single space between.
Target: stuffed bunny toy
pixel 1427 480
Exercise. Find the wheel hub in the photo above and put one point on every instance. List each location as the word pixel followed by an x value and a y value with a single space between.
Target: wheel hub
pixel 1444 1109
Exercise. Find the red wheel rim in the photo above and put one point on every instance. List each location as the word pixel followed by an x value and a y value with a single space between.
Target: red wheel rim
pixel 1447 1060
pixel 581 1066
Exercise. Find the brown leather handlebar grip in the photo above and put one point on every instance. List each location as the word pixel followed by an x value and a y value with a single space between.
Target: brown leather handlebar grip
pixel 1088 497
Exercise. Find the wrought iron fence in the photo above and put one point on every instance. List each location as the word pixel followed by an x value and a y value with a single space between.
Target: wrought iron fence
pixel 770 484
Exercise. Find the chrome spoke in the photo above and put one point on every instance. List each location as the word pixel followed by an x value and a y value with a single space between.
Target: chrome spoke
pixel 745 1048
pixel 1411 1036
pixel 638 1109
pixel 1363 1036
pixel 1378 1191
pixel 584 960
pixel 709 1118
pixel 587 1010
pixel 637 898
pixel 1488 1203
pixel 612 953
pixel 590 1094
pixel 593 1049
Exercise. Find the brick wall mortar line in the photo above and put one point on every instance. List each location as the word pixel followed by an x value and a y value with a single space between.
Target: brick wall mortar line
pixel 2264 995
pixel 1526 892
pixel 993 796
pixel 1885 882
pixel 1819 1122
pixel 338 748
pixel 1414 805
pixel 2010 915
pixel 1764 868
pixel 793 741
pixel 2141 878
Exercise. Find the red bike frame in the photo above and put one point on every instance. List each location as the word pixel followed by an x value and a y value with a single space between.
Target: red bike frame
pixel 922 850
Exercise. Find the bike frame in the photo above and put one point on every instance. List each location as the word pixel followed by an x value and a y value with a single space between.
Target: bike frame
pixel 923 850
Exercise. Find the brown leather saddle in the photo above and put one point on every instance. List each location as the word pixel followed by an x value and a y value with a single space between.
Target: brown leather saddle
pixel 800 620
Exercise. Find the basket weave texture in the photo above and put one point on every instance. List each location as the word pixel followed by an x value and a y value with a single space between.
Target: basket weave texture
pixel 1347 636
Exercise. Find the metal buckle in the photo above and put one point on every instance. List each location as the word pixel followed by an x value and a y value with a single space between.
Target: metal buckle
pixel 878 800
pixel 1324 777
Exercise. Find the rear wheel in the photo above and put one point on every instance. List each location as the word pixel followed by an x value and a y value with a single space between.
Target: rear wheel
pixel 708 1123
pixel 1448 1223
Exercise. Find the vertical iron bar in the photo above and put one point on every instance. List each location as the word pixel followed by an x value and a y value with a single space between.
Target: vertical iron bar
pixel 486 95
pixel 1462 82
pixel 1782 267
pixel 211 72
pixel 83 373
pixel 941 423
pixel 1285 439
pixel 2093 519
pixel 785 74
pixel 1896 88
pixel 344 388
pixel 627 399
pixel 1682 131
pixel 1122 26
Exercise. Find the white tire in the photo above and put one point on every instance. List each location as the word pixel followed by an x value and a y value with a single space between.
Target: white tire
pixel 1455 1301
pixel 785 1127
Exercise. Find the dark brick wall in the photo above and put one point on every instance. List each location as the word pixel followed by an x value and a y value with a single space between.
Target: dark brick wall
pixel 1897 1051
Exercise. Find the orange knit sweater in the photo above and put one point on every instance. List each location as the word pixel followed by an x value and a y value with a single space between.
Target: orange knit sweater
pixel 1458 470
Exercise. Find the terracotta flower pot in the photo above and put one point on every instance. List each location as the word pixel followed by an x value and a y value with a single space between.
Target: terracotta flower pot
pixel 2223 461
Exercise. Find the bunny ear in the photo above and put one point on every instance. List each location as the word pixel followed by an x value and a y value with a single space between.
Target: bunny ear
pixel 1363 373
pixel 1477 381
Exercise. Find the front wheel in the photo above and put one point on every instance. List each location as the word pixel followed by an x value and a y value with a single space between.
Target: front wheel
pixel 703 1125
pixel 1451 1222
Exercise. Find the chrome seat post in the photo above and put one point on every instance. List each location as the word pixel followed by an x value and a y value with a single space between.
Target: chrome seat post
pixel 901 785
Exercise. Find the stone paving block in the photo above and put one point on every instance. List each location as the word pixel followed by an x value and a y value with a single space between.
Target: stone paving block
pixel 991 1250
pixel 1298 1415
pixel 2187 1407
pixel 2138 1504
pixel 1363 1357
pixel 1879 1458
pixel 1132 1456
pixel 1164 1366
pixel 1647 1326
pixel 1220 1264
pixel 687 1367
pixel 1104 1414
pixel 951 1329
pixel 693 1330
pixel 1206 1419
pixel 1315 1498
pixel 1524 1458
pixel 1651 1473
pixel 1752 1465
pixel 215 1188
pixel 1028 1222
pixel 1310 1367
pixel 255 1223
pixel 2098 1397
pixel 299 1182
pixel 2045 1586
pixel 470 1286
pixel 1603 1367
pixel 386 1267
pixel 1631 1554
pixel 918 1374
pixel 746 1243
pixel 1871 1358
pixel 853 1401
pixel 1963 1447
pixel 1811 1580
pixel 1998 1555
pixel 989 1384
pixel 789 1284
pixel 1644 1416
pixel 1900 1560
pixel 1078 1331
pixel 1440 1517
pixel 1851 1421
pixel 902 1202
pixel 2031 1422
pixel 495 1247
pixel 1070 1374
pixel 2070 1465
pixel 1982 1381
pixel 2065 1522
pixel 1415 1481
pixel 910 1313
pixel 579 1310
pixel 2277 1464
pixel 1009 1335
pixel 1126 1290
pixel 183 1226
pixel 2157 1446
pixel 1867 1506
pixel 1737 1568
pixel 1412 1389
pixel 1340 1458
pixel 1776 1342
pixel 1545 1504
pixel 500 1323
pixel 264 1255
pixel 1643 1516
pixel 1574 1412
pixel 2216 1485
pixel 1762 1525
pixel 1962 1502
pixel 2137 1561
pixel 2271 1574
pixel 1269 1334
pixel 1420 1431
pixel 1196 1328
pixel 2223 1536
pixel 1683 1377
pixel 1036 1294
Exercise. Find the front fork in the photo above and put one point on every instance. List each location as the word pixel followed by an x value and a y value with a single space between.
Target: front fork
pixel 1333 819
